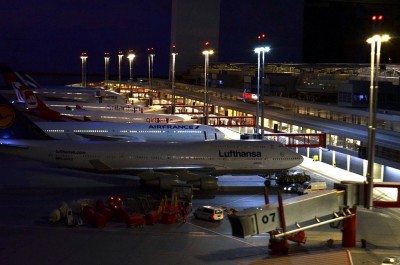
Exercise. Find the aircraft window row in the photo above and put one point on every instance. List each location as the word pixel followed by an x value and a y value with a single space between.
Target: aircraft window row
pixel 90 131
pixel 54 131
pixel 285 158
pixel 158 131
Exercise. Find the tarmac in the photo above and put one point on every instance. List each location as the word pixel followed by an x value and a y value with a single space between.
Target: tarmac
pixel 29 191
pixel 378 229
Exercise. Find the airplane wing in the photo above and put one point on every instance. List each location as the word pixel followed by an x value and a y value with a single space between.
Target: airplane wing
pixel 100 166
pixel 200 176
pixel 13 146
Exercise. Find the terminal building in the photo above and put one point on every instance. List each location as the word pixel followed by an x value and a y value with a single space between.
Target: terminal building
pixel 316 98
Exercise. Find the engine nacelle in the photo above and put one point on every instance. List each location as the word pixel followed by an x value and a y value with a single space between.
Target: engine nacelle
pixel 160 180
pixel 205 183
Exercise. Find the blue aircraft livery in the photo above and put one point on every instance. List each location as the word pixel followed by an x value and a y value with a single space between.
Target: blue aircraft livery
pixel 174 126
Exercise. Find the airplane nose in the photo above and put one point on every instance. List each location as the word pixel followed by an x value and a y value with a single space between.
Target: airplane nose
pixel 301 158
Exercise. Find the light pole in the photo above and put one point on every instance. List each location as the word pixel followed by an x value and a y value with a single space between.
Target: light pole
pixel 206 54
pixel 375 42
pixel 173 54
pixel 106 64
pixel 120 55
pixel 130 57
pixel 150 58
pixel 260 94
pixel 83 58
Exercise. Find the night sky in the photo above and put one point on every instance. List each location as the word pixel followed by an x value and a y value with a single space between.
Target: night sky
pixel 336 32
pixel 49 36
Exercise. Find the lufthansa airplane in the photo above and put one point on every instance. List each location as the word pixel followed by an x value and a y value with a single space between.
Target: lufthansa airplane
pixel 114 131
pixel 157 163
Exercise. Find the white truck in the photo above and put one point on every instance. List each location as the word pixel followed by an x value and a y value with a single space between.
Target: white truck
pixel 309 187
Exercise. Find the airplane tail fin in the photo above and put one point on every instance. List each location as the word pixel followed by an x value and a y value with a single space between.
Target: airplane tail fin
pixel 8 77
pixel 15 125
pixel 35 104
pixel 32 82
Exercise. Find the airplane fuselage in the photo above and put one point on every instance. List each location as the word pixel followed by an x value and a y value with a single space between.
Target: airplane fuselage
pixel 224 157
pixel 132 131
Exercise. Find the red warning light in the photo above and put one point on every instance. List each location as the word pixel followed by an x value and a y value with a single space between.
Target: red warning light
pixel 261 36
pixel 374 18
pixel 206 43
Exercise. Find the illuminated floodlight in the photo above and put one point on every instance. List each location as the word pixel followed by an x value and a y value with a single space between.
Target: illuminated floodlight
pixel 381 38
pixel 131 56
pixel 262 49
pixel 208 52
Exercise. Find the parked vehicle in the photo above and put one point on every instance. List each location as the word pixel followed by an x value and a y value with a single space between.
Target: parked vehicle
pixel 309 187
pixel 392 260
pixel 209 213
pixel 292 188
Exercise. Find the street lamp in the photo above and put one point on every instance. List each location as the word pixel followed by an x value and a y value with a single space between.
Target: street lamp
pixel 120 55
pixel 150 57
pixel 173 54
pixel 260 94
pixel 375 42
pixel 83 58
pixel 206 54
pixel 130 57
pixel 106 64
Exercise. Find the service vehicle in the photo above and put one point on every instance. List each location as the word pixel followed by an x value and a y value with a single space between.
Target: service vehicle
pixel 292 188
pixel 391 260
pixel 309 187
pixel 209 213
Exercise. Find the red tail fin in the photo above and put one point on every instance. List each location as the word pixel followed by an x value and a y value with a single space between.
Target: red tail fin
pixel 35 104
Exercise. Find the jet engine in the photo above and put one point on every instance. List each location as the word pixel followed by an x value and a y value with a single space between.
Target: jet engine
pixel 205 183
pixel 159 180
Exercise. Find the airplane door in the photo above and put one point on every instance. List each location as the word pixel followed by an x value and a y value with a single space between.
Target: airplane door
pixel 170 135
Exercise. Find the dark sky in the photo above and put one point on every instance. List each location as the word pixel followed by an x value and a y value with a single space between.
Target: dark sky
pixel 336 31
pixel 49 36
pixel 280 20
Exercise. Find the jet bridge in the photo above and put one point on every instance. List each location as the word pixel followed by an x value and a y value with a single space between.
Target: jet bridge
pixel 323 207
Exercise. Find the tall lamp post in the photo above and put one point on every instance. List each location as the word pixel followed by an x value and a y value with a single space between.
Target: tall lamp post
pixel 206 54
pixel 106 67
pixel 375 42
pixel 120 55
pixel 260 94
pixel 173 54
pixel 83 58
pixel 150 58
pixel 130 57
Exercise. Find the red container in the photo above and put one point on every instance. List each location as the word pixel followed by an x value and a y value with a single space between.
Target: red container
pixel 99 220
pixel 169 217
pixel 135 220
pixel 151 218
pixel 88 214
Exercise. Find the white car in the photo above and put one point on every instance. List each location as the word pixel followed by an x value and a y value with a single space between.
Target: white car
pixel 392 260
pixel 209 213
